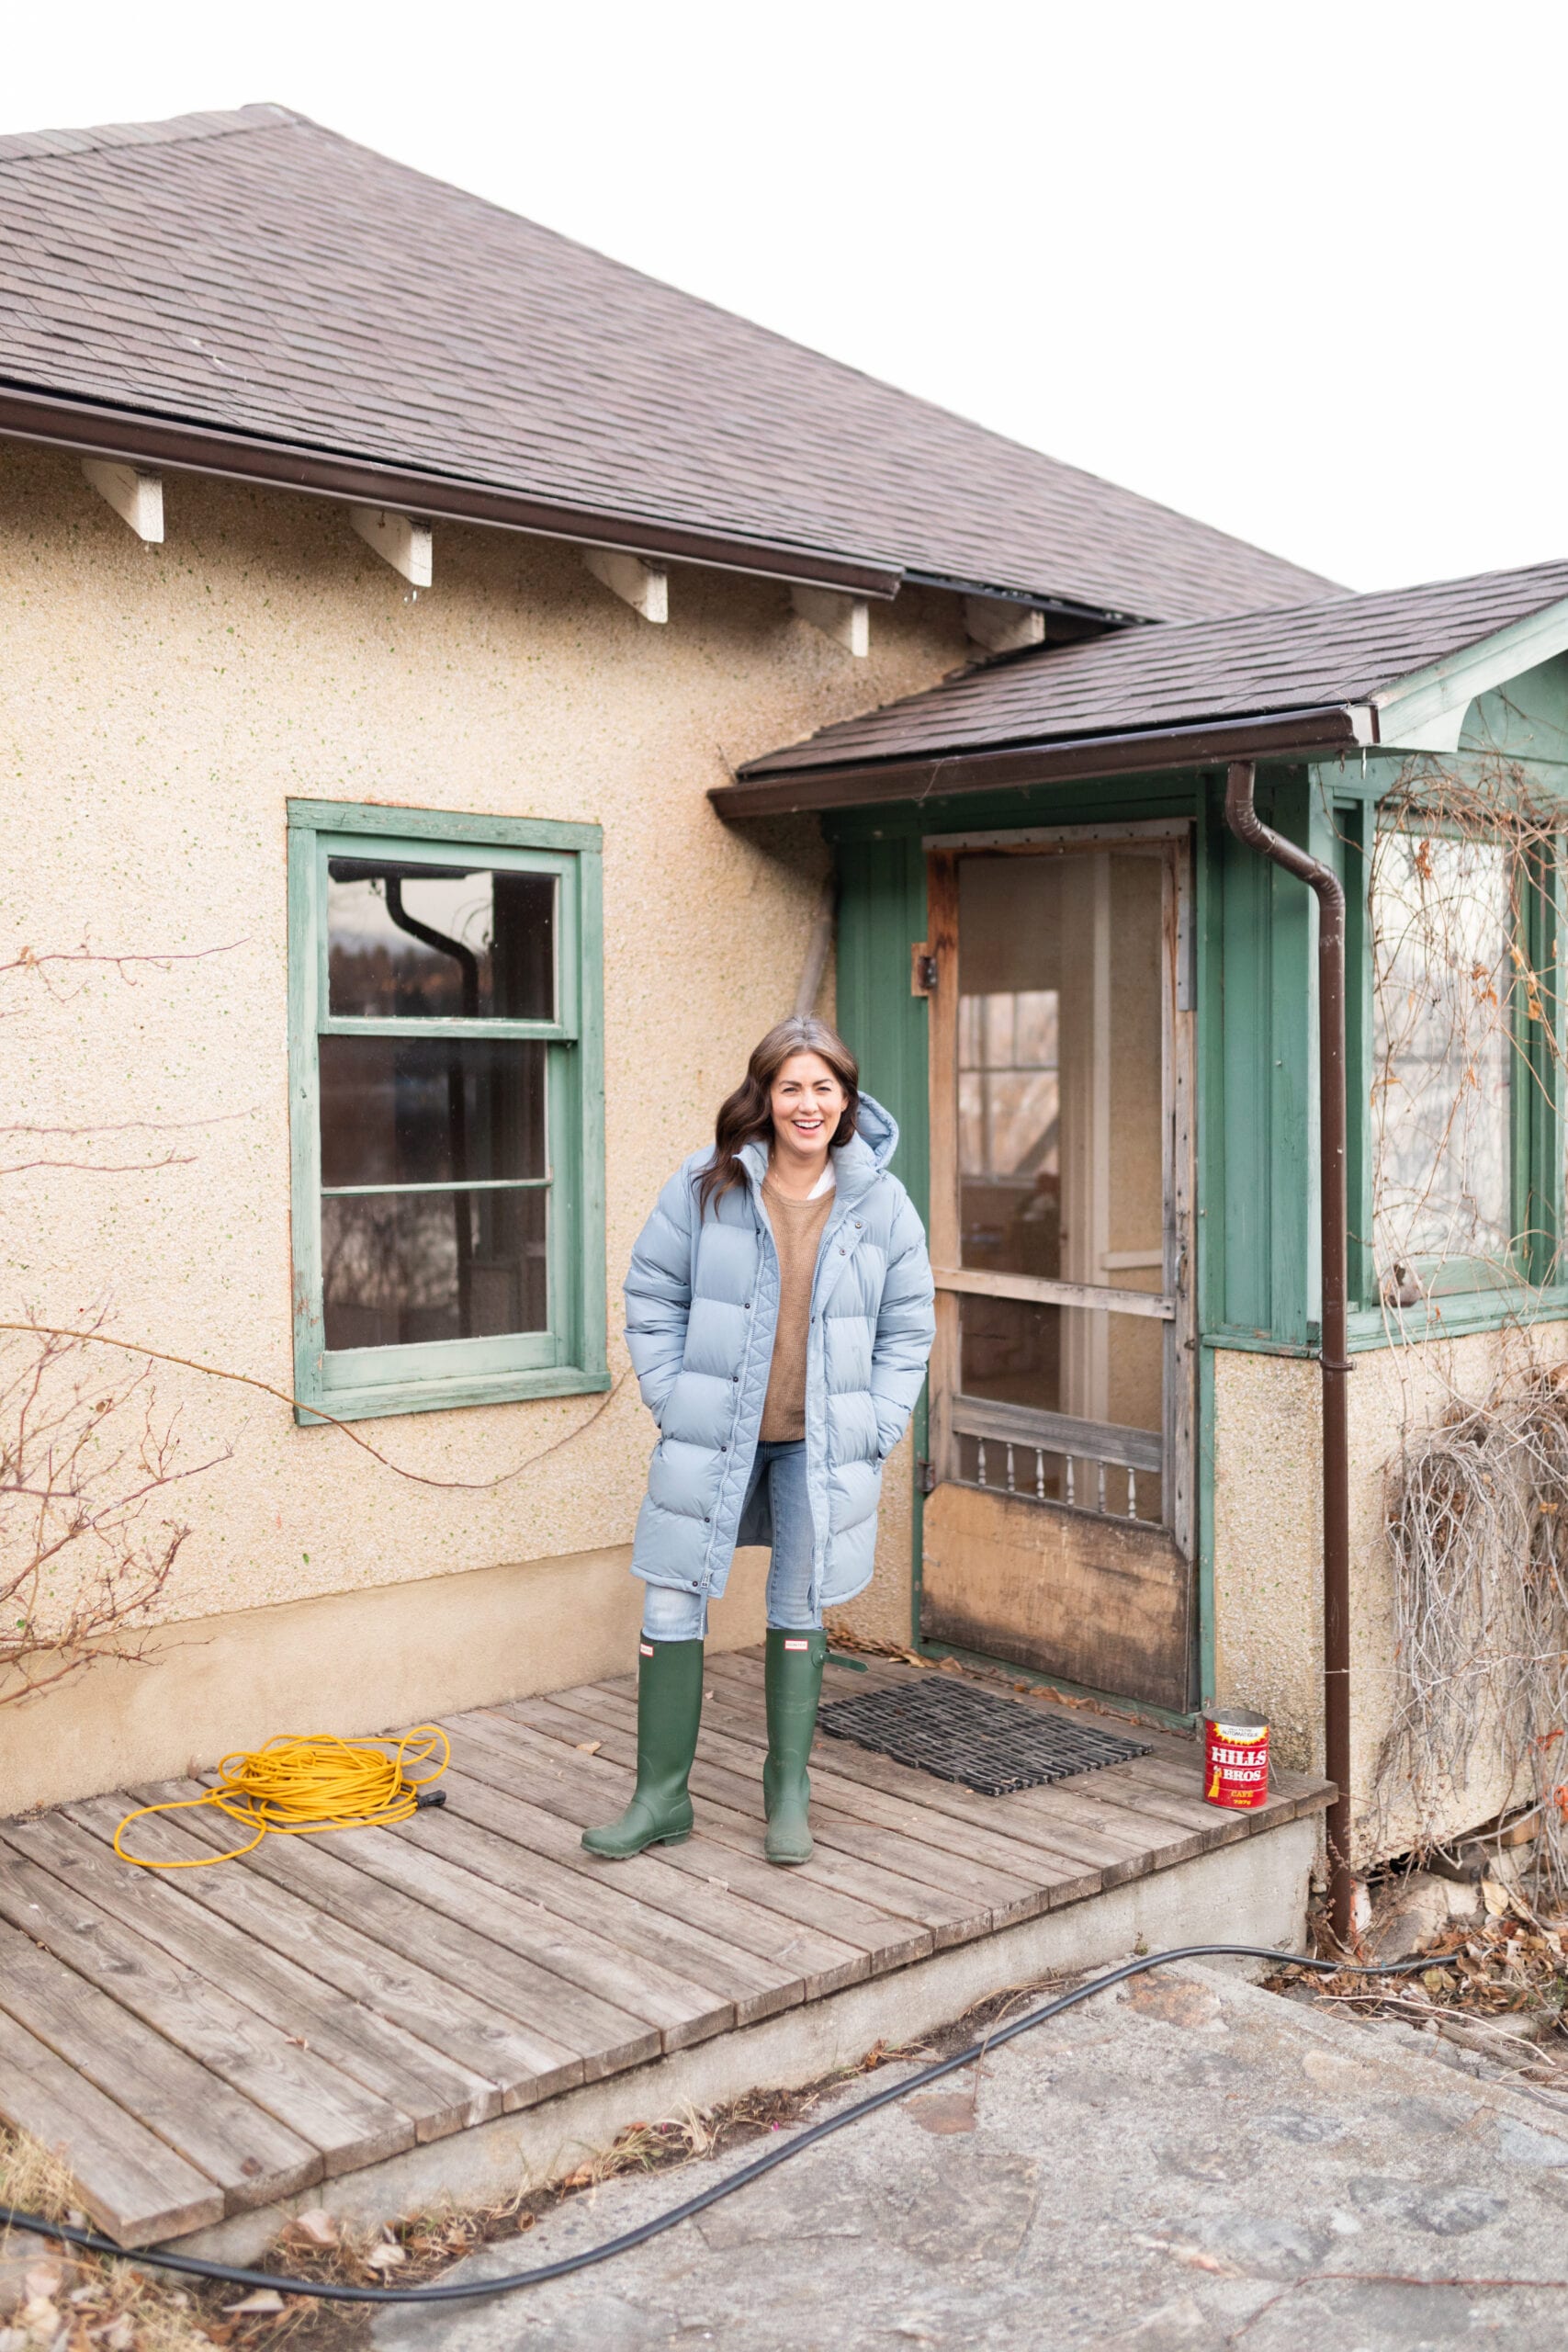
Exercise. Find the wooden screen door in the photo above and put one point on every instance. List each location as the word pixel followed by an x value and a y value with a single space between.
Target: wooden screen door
pixel 1059 1529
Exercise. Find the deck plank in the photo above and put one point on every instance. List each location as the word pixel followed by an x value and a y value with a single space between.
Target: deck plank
pixel 345 2124
pixel 521 2064
pixel 587 2037
pixel 239 2151
pixel 514 1907
pixel 446 1947
pixel 133 2187
pixel 525 1847
pixel 1000 1882
pixel 588 1789
pixel 730 1815
pixel 682 2010
pixel 1117 1833
pixel 1021 1846
pixel 437 2096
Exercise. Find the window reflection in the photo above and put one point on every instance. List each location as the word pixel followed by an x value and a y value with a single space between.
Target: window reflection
pixel 439 942
pixel 1443 927
pixel 401 1267
pixel 431 1110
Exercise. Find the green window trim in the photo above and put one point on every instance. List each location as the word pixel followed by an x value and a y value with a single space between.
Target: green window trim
pixel 568 1357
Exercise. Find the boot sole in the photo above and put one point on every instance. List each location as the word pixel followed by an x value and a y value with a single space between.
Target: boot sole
pixel 675 1837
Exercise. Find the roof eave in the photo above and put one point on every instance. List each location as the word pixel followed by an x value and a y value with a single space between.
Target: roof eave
pixel 1426 711
pixel 1327 732
pixel 87 430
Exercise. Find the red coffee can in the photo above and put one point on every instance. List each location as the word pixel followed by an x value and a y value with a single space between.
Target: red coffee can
pixel 1235 1758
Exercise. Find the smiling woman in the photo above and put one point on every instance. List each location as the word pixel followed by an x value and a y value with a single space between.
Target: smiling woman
pixel 779 1315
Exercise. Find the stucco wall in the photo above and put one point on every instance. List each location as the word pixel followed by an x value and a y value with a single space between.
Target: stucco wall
pixel 1267 1551
pixel 158 707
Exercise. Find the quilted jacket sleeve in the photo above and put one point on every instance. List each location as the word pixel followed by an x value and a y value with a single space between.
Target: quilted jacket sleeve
pixel 658 1291
pixel 906 1326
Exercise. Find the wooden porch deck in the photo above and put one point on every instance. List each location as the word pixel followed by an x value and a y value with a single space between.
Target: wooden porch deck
pixel 201 2043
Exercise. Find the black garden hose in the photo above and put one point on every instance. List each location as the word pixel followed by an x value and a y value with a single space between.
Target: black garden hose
pixel 190 2266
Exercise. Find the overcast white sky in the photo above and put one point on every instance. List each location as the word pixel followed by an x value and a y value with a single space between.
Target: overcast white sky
pixel 1297 270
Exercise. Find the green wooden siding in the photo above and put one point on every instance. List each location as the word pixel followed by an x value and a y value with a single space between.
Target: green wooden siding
pixel 1254 1120
pixel 882 912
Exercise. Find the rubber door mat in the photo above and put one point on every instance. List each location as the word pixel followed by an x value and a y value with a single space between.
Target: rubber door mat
pixel 957 1733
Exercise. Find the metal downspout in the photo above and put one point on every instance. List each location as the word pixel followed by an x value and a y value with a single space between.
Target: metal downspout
pixel 1242 818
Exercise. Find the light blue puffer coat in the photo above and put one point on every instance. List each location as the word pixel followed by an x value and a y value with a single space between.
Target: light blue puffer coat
pixel 702 1307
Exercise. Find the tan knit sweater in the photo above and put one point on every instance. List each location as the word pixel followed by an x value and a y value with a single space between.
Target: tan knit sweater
pixel 797 1231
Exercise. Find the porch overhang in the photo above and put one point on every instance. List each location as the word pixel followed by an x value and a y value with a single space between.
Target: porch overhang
pixel 1329 732
pixel 1395 672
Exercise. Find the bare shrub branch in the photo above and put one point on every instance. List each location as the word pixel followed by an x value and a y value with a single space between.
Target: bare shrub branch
pixel 28 961
pixel 88 1470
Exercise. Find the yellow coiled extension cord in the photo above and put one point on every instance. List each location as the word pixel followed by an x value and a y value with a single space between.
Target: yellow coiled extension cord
pixel 298 1788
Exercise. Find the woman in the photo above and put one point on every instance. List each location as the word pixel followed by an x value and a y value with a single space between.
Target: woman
pixel 779 1318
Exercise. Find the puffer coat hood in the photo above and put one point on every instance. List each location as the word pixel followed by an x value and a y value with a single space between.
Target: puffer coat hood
pixel 701 1308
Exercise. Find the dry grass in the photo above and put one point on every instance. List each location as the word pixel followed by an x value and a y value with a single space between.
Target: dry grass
pixel 1499 1985
pixel 95 2296
pixel 77 2302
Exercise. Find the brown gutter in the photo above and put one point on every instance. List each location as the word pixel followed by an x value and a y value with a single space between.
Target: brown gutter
pixel 90 432
pixel 758 792
pixel 1242 817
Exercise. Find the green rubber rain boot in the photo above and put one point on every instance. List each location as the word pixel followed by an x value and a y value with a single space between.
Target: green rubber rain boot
pixel 793 1680
pixel 668 1710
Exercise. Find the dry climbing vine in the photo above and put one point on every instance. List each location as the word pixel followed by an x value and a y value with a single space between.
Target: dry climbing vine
pixel 1478 1527
pixel 1465 879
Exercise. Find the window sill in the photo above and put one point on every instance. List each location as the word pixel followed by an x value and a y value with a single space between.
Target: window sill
pixel 1452 1315
pixel 445 1396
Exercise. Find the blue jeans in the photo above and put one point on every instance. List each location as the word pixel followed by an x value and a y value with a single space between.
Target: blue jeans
pixel 671 1616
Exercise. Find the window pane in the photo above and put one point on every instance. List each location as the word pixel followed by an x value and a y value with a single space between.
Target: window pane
pixel 400 1267
pixel 1442 925
pixel 1061 1067
pixel 1083 1361
pixel 440 941
pixel 424 1111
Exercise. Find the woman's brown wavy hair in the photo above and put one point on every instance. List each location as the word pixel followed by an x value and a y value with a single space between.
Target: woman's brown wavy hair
pixel 745 1116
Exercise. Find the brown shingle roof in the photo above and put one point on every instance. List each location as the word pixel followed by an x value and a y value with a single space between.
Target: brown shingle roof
pixel 256 275
pixel 1267 666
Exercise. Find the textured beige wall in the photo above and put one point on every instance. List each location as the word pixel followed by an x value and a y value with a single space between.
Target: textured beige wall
pixel 351 1663
pixel 1268 1550
pixel 158 707
pixel 1268 1547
